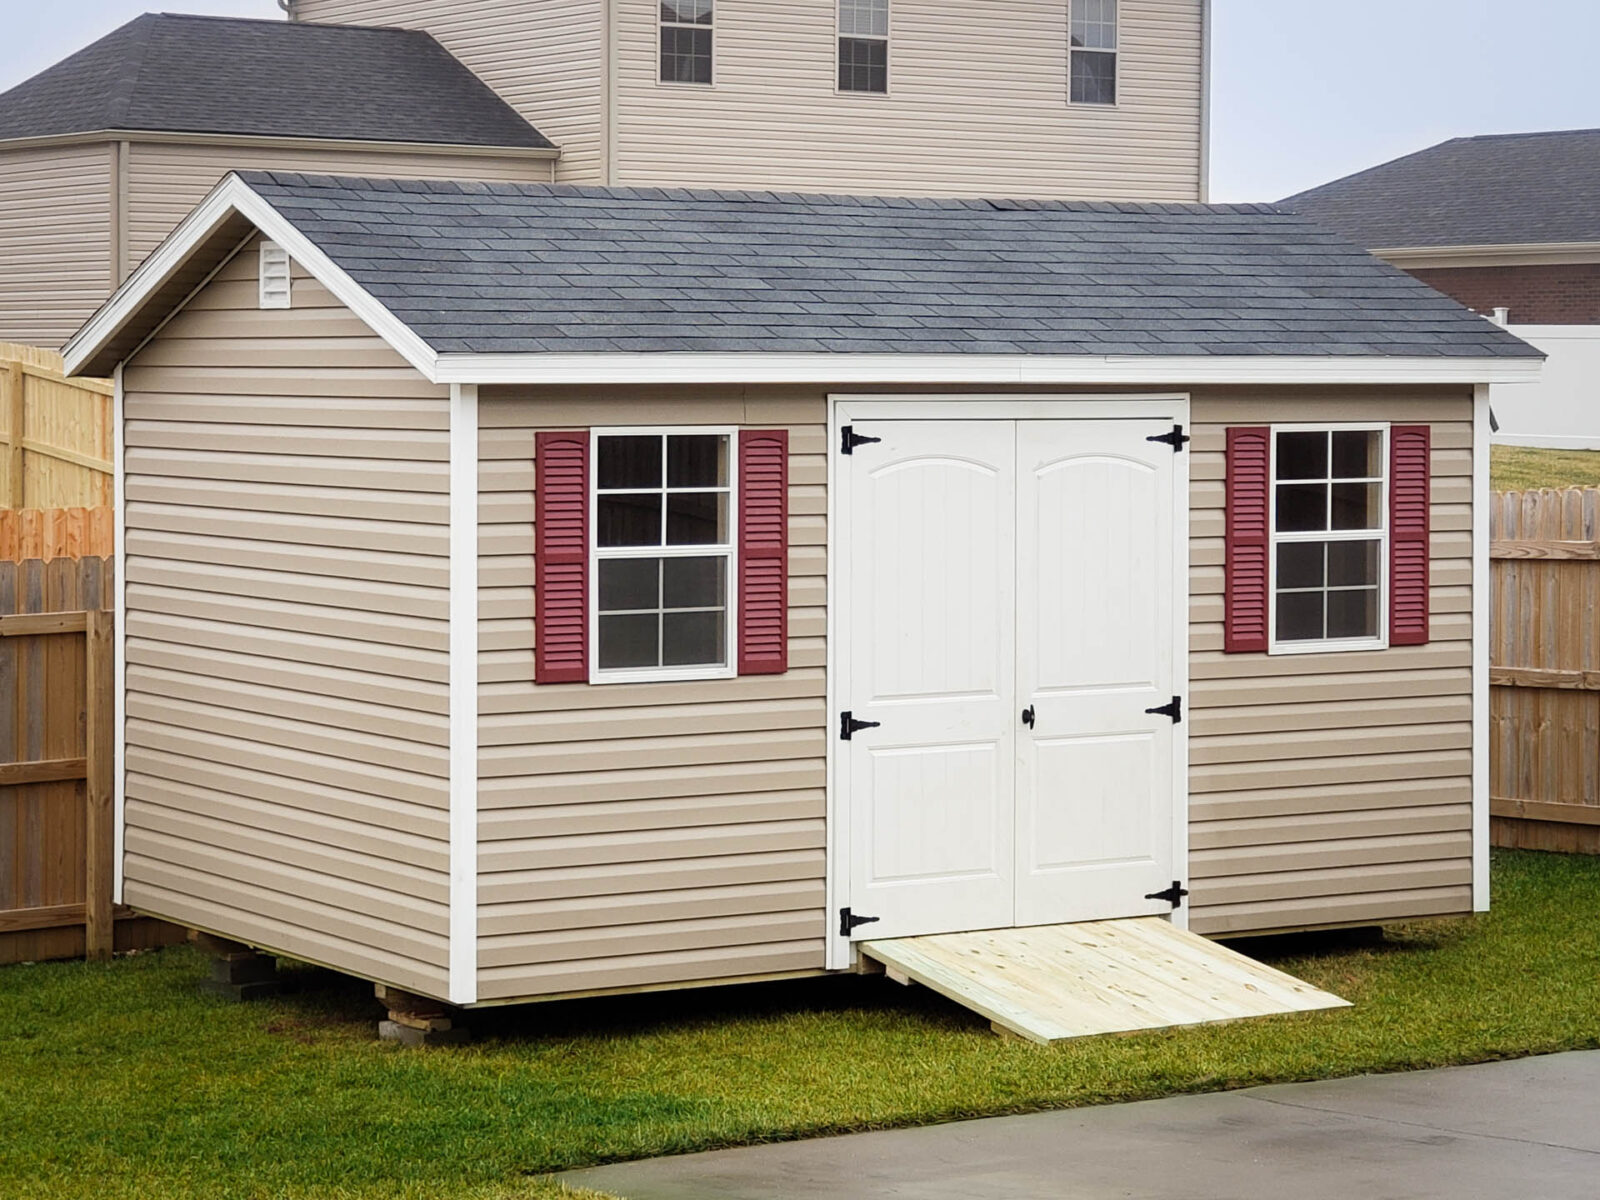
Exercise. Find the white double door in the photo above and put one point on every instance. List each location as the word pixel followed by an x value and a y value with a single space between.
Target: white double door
pixel 1006 621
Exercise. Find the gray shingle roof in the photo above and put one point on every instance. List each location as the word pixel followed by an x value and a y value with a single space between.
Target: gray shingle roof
pixel 1514 189
pixel 547 268
pixel 170 73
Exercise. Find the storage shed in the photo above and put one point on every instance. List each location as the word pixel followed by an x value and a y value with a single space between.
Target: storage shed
pixel 535 591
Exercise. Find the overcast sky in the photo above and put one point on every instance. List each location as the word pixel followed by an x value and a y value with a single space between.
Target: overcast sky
pixel 1305 90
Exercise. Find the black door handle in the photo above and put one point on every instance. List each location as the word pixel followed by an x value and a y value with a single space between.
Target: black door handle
pixel 1028 716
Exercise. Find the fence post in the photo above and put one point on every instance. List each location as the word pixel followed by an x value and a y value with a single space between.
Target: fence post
pixel 99 919
pixel 13 399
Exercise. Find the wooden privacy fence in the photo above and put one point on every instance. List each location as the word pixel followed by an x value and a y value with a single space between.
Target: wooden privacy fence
pixel 56 747
pixel 1545 670
pixel 51 533
pixel 57 446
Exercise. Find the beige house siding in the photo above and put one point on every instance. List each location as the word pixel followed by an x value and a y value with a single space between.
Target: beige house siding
pixel 977 104
pixel 638 835
pixel 55 240
pixel 287 634
pixel 1332 788
pixel 645 834
pixel 167 180
pixel 545 58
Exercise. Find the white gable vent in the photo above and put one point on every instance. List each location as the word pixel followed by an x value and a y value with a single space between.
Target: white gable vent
pixel 275 286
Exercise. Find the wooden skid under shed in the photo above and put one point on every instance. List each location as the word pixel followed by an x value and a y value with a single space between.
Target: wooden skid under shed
pixel 1055 982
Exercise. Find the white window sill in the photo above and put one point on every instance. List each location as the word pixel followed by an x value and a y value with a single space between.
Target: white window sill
pixel 665 675
pixel 1342 646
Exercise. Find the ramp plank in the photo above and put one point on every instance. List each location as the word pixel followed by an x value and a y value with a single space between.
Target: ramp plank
pixel 1055 982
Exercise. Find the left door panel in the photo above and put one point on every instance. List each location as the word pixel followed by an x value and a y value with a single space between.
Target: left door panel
pixel 928 645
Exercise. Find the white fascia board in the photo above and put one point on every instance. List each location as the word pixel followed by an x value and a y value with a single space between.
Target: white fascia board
pixel 972 369
pixel 232 196
pixel 1531 254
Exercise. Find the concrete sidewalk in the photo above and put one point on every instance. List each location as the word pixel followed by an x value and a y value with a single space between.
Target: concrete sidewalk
pixel 1527 1129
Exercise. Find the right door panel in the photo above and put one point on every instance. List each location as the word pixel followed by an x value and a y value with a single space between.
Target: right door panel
pixel 1095 804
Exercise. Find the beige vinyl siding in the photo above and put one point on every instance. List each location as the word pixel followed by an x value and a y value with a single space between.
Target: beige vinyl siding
pixel 977 104
pixel 645 834
pixel 55 240
pixel 167 180
pixel 288 634
pixel 1332 788
pixel 545 58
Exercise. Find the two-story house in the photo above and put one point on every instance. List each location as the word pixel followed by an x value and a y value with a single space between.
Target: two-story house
pixel 936 523
pixel 1090 100
pixel 101 155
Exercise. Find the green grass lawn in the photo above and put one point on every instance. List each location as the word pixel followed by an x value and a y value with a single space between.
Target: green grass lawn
pixel 120 1081
pixel 1517 468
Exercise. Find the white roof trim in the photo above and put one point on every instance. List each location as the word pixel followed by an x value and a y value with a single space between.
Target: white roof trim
pixel 974 369
pixel 1531 254
pixel 231 196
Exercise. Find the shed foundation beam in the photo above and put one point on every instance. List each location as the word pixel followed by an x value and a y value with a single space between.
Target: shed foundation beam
pixel 418 1021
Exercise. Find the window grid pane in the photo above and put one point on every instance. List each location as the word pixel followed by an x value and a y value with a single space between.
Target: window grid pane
pixel 685 55
pixel 1328 530
pixel 863 65
pixel 666 609
pixel 1094 77
pixel 1094 24
pixel 864 18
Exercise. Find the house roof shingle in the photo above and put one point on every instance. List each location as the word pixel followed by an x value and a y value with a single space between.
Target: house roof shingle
pixel 184 74
pixel 528 268
pixel 1502 190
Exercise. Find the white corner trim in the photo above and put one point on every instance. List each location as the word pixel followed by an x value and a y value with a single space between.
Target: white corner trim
pixel 1481 587
pixel 231 196
pixel 839 369
pixel 463 694
pixel 119 669
pixel 1207 58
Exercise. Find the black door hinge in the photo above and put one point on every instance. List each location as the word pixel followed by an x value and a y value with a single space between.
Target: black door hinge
pixel 1173 710
pixel 849 922
pixel 1177 439
pixel 1173 895
pixel 849 726
pixel 852 439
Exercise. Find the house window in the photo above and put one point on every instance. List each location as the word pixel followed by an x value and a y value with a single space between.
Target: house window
pixel 663 554
pixel 686 41
pixel 863 45
pixel 1094 52
pixel 1329 537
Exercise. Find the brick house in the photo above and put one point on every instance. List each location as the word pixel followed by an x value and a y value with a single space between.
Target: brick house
pixel 1499 223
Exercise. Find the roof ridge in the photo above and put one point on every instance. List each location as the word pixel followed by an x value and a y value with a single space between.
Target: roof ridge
pixel 994 203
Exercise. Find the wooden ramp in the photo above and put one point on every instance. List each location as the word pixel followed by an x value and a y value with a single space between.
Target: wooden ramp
pixel 1055 982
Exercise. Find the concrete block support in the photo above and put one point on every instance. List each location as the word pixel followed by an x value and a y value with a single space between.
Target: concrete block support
pixel 238 972
pixel 417 1021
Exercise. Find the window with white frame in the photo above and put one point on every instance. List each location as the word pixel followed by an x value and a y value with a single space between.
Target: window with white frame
pixel 686 41
pixel 1093 68
pixel 1329 537
pixel 863 45
pixel 664 509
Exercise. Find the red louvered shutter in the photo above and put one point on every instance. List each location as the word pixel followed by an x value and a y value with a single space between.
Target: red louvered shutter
pixel 763 552
pixel 561 563
pixel 1248 542
pixel 1409 454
